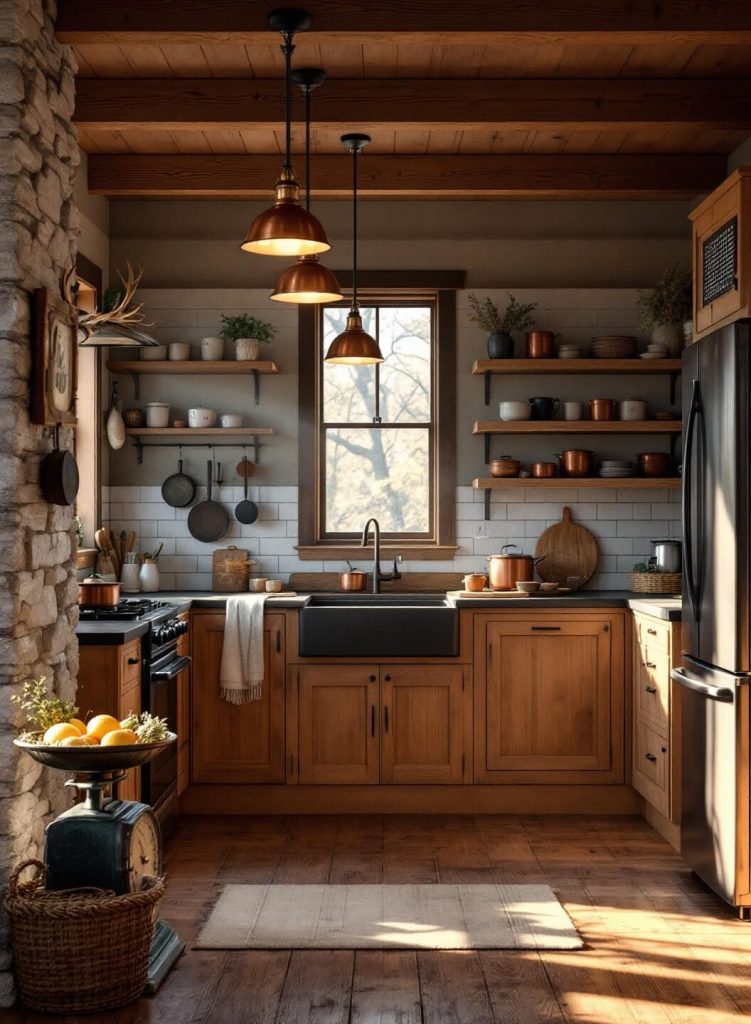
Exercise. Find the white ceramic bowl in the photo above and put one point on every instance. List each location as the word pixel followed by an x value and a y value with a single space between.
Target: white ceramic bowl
pixel 509 411
pixel 230 419
pixel 258 585
pixel 157 414
pixel 179 351
pixel 273 586
pixel 154 352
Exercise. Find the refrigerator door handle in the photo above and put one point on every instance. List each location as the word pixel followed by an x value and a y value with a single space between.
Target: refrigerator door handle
pixel 720 693
pixel 686 502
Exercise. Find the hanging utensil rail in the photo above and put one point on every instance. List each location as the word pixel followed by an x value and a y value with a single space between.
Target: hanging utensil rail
pixel 254 441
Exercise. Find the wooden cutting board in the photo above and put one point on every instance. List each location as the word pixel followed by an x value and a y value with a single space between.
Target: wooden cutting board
pixel 570 550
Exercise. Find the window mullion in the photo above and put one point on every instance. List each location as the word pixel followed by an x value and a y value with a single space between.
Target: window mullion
pixel 377 368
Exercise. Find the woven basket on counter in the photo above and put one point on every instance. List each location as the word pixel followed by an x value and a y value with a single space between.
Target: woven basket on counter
pixel 79 950
pixel 656 582
pixel 231 570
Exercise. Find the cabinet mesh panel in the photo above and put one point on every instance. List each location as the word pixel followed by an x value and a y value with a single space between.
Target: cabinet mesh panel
pixel 719 262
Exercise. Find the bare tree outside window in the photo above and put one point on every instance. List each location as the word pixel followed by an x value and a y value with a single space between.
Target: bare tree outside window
pixel 377 424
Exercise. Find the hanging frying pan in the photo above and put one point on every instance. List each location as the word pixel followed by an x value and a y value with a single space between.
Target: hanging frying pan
pixel 246 511
pixel 178 490
pixel 58 475
pixel 208 520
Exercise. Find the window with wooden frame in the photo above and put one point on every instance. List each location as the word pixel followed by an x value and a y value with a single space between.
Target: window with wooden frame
pixel 380 440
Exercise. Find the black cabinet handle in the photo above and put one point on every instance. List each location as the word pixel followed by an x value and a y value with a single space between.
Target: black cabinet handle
pixel 134 661
pixel 651 689
pixel 372 678
pixel 387 678
pixel 652 632
pixel 385 718
pixel 649 664
pixel 372 719
pixel 650 757
pixel 545 629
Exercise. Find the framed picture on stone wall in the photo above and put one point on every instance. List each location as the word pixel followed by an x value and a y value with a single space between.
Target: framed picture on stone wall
pixel 53 374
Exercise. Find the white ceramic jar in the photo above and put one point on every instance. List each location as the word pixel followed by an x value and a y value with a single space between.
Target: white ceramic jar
pixel 148 577
pixel 212 348
pixel 514 410
pixel 201 418
pixel 129 578
pixel 230 419
pixel 572 410
pixel 247 348
pixel 632 409
pixel 157 414
pixel 179 351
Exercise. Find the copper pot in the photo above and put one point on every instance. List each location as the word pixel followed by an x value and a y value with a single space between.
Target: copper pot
pixel 504 570
pixel 95 592
pixel 505 466
pixel 544 469
pixel 353 580
pixel 602 409
pixel 575 462
pixel 540 344
pixel 654 463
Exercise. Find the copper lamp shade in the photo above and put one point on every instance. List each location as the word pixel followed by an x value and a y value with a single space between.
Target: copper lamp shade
pixel 307 282
pixel 286 228
pixel 353 346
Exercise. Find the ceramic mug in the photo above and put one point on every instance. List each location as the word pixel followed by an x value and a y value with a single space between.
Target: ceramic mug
pixel 179 351
pixel 631 409
pixel 258 585
pixel 572 410
pixel 474 582
pixel 543 408
pixel 212 348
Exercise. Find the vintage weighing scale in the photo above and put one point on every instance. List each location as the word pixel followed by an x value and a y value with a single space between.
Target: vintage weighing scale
pixel 103 842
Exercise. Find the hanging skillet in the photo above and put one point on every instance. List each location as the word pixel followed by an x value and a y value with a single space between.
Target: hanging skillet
pixel 208 520
pixel 58 475
pixel 178 490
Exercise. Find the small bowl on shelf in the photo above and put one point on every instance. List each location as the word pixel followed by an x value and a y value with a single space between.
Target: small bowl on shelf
pixel 527 586
pixel 549 587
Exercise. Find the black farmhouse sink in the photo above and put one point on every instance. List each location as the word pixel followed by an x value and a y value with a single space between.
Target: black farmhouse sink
pixel 378 626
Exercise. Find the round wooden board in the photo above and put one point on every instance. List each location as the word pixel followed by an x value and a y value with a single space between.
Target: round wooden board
pixel 569 550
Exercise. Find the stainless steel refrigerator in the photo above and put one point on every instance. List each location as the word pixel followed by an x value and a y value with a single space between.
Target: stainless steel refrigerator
pixel 715 672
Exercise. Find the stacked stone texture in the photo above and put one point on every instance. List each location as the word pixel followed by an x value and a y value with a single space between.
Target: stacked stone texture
pixel 38 592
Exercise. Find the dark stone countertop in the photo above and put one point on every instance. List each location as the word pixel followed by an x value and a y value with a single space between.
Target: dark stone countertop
pixel 107 634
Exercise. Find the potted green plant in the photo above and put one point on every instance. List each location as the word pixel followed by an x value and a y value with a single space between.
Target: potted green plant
pixel 667 307
pixel 247 333
pixel 516 317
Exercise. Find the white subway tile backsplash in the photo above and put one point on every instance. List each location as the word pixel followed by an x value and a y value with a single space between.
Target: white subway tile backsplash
pixel 278 494
pixel 636 529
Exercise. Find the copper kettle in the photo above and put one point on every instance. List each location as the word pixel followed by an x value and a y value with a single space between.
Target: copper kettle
pixel 575 462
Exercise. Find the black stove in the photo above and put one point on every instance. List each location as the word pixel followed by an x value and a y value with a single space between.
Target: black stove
pixel 130 608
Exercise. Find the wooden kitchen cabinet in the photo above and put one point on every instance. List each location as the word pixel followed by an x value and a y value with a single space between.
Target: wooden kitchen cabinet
pixel 109 681
pixel 548 696
pixel 422 739
pixel 365 724
pixel 236 743
pixel 656 700
pixel 338 724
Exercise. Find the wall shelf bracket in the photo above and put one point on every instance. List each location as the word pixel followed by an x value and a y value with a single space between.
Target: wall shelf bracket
pixel 487 505
pixel 487 388
pixel 136 386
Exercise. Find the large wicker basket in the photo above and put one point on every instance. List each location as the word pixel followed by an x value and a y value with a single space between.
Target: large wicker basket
pixel 79 950
pixel 656 582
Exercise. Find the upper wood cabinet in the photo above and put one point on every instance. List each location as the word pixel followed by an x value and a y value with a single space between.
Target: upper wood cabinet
pixel 549 697
pixel 236 742
pixel 389 723
pixel 422 719
pixel 722 254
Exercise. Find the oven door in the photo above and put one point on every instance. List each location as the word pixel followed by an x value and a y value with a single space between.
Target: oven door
pixel 160 775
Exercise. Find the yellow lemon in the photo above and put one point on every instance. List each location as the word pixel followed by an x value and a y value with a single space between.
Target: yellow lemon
pixel 79 741
pixel 100 725
pixel 119 738
pixel 81 726
pixel 59 732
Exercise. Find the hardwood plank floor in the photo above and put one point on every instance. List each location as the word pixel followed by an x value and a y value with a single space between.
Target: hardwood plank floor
pixel 660 948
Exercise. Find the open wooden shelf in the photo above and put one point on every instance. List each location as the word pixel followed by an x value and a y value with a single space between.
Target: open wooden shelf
pixel 196 366
pixel 199 431
pixel 492 483
pixel 577 427
pixel 576 366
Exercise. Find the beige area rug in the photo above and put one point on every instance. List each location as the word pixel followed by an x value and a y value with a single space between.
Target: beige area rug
pixel 388 917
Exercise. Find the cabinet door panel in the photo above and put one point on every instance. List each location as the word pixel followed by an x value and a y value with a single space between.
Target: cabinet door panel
pixel 338 724
pixel 544 699
pixel 236 742
pixel 423 724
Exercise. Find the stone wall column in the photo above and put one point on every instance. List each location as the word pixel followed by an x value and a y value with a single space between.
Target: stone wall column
pixel 38 592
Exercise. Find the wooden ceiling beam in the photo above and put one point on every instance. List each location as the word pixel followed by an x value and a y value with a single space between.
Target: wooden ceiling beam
pixel 413 177
pixel 160 22
pixel 199 104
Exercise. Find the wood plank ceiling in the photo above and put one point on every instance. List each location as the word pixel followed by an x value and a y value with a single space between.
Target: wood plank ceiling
pixel 595 99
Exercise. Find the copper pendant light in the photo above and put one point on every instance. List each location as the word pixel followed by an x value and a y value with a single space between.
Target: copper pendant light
pixel 287 229
pixel 354 347
pixel 307 281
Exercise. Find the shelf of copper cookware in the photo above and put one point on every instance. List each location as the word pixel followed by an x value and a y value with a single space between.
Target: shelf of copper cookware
pixel 577 427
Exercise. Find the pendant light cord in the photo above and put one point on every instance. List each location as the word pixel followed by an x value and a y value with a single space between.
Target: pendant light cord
pixel 308 91
pixel 355 154
pixel 288 48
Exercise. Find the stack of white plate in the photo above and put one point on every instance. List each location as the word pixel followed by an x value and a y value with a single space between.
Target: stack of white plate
pixel 655 350
pixel 616 468
pixel 569 351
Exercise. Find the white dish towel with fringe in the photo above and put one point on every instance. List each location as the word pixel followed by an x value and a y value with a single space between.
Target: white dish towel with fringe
pixel 241 673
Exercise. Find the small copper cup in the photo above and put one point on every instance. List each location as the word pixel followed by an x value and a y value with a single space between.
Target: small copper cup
pixel 602 409
pixel 540 344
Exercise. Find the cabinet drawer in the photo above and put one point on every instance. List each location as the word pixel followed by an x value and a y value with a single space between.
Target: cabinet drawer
pixel 652 632
pixel 130 664
pixel 652 685
pixel 652 766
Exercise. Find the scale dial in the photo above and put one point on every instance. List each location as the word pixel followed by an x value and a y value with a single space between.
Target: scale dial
pixel 144 854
